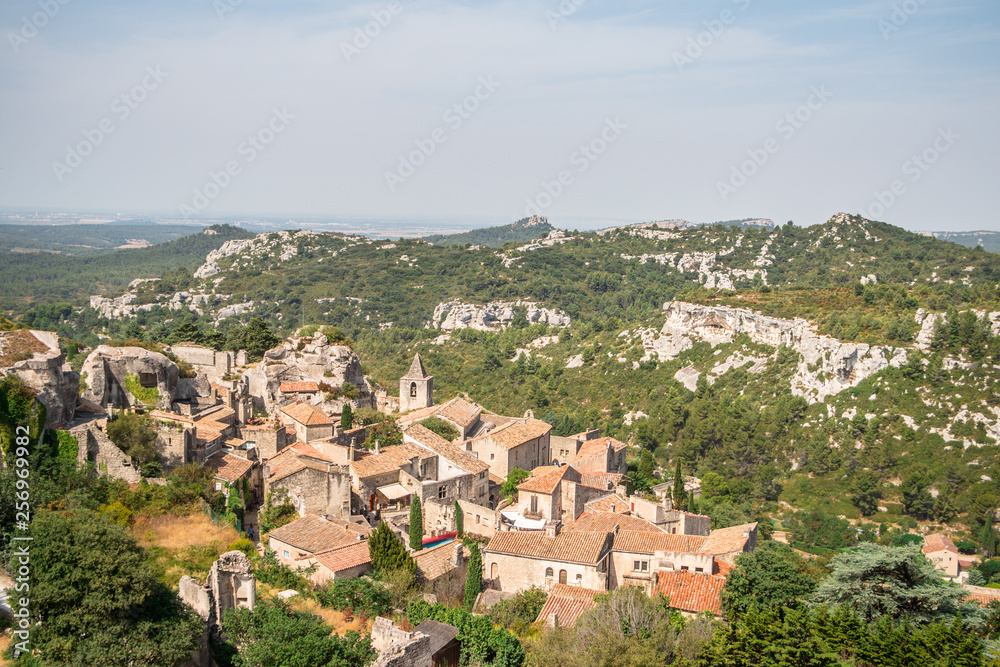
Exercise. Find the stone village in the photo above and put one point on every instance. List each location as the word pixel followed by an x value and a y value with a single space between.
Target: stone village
pixel 273 430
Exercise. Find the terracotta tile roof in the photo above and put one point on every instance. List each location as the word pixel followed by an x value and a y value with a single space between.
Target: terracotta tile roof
pixel 496 479
pixel 344 558
pixel 727 540
pixel 217 413
pixel 298 387
pixel 548 481
pixel 982 595
pixel 568 603
pixel 613 503
pixel 598 447
pixel 212 425
pixel 432 441
pixel 235 443
pixel 721 568
pixel 170 416
pixel 388 460
pixel 313 534
pixel 606 522
pixel 460 411
pixel 206 434
pixel 291 460
pixel 269 425
pixel 630 541
pixel 694 592
pixel 518 432
pixel 228 467
pixel 306 414
pixel 938 542
pixel 576 547
pixel 601 480
pixel 434 562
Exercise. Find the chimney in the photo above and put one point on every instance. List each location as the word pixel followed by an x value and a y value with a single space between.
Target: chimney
pixel 457 557
pixel 612 508
pixel 376 447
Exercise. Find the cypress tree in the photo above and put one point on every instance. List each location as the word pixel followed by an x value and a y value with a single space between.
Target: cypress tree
pixel 474 577
pixel 691 505
pixel 988 537
pixel 680 500
pixel 347 418
pixel 416 525
pixel 459 520
pixel 387 551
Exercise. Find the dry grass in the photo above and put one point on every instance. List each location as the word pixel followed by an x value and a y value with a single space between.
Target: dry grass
pixel 179 532
pixel 182 545
pixel 19 345
pixel 332 617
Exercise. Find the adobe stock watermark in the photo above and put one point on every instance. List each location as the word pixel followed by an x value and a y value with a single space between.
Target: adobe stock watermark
pixel 582 158
pixel 31 25
pixel 562 12
pixel 914 169
pixel 455 116
pixel 20 559
pixel 225 7
pixel 121 108
pixel 714 29
pixel 370 31
pixel 901 13
pixel 248 149
pixel 787 126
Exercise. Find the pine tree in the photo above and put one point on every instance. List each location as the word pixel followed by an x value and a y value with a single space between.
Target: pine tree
pixel 347 417
pixel 474 577
pixel 416 525
pixel 459 520
pixel 988 537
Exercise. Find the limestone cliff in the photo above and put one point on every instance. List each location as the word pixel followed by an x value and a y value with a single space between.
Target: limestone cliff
pixel 35 358
pixel 108 373
pixel 308 360
pixel 494 316
pixel 826 366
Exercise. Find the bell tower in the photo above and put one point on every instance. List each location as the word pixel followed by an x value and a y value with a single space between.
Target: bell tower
pixel 416 388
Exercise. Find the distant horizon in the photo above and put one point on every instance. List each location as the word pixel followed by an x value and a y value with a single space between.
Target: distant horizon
pixel 427 225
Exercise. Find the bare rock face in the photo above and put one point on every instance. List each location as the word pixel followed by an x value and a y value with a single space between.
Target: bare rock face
pixel 308 360
pixel 45 371
pixel 106 377
pixel 494 316
pixel 826 366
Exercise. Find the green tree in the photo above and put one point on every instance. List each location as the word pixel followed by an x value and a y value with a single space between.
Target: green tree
pixel 771 576
pixel 272 635
pixel 474 576
pixel 988 537
pixel 441 427
pixel 866 491
pixel 514 478
pixel 347 417
pixel 134 435
pixel 416 525
pixel 680 498
pixel 96 601
pixel 459 520
pixel 387 551
pixel 897 583
pixel 257 338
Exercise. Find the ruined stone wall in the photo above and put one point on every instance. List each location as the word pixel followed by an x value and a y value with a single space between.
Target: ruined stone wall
pixel 324 493
pixel 97 448
pixel 175 448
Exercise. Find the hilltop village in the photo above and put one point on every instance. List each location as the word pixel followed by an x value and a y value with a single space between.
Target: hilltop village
pixel 546 512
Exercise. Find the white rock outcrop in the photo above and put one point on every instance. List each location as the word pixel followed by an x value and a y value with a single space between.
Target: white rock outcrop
pixel 826 366
pixel 45 371
pixel 107 369
pixel 494 316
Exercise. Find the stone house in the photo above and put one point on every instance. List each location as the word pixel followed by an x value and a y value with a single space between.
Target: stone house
pixel 516 560
pixel 602 455
pixel 238 473
pixel 438 561
pixel 689 592
pixel 343 562
pixel 296 542
pixel 726 544
pixel 307 421
pixel 294 390
pixel 268 436
pixel 564 449
pixel 941 551
pixel 671 521
pixel 555 494
pixel 458 412
pixel 565 605
pixel 637 555
pixel 471 474
pixel 520 443
pixel 389 477
pixel 313 480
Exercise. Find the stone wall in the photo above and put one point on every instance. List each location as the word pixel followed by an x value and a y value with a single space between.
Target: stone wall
pixel 479 520
pixel 398 648
pixel 269 440
pixel 97 448
pixel 324 493
pixel 513 574
pixel 175 447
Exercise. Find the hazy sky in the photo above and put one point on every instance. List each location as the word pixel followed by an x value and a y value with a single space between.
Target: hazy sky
pixel 703 110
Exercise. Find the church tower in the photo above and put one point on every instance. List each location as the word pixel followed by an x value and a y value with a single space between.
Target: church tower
pixel 416 388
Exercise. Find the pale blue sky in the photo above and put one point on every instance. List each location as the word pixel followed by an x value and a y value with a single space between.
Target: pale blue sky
pixel 684 119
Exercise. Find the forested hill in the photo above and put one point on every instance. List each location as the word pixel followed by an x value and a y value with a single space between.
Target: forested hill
pixel 522 231
pixel 988 240
pixel 50 278
pixel 86 239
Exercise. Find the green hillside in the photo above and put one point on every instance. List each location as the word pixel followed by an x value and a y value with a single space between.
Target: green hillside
pixel 522 231
pixel 85 239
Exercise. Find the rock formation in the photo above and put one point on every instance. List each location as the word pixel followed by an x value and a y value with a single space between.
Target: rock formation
pixel 109 371
pixel 304 360
pixel 826 367
pixel 35 358
pixel 494 316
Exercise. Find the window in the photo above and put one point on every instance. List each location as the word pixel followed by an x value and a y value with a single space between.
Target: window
pixel 492 456
pixel 673 531
pixel 477 518
pixel 549 573
pixel 218 486
pixel 147 380
pixel 413 390
pixel 699 569
pixel 286 554
pixel 579 580
pixel 442 491
pixel 562 576
pixel 640 566
pixel 685 567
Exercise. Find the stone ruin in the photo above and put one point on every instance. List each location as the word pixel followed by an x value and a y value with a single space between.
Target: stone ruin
pixel 230 585
pixel 397 647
